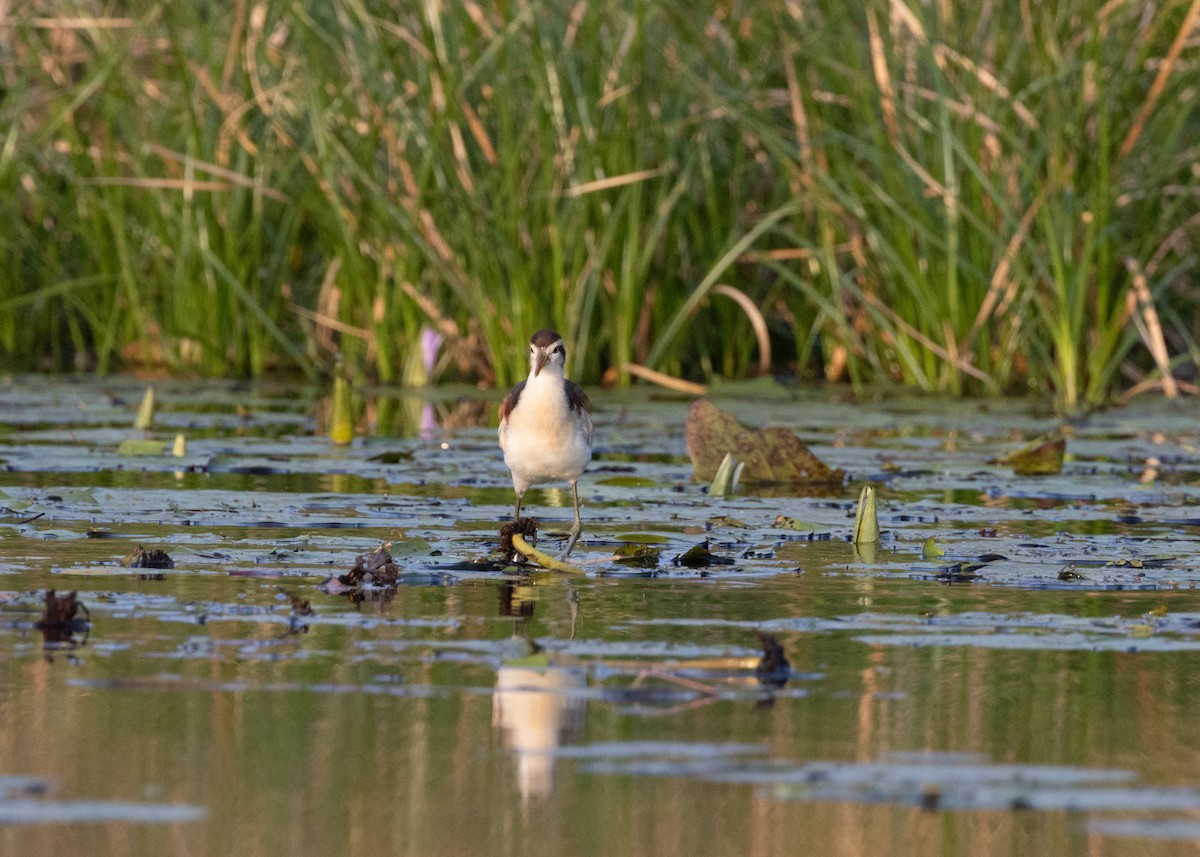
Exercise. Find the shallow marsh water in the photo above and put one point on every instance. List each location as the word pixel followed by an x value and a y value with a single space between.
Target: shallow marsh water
pixel 471 711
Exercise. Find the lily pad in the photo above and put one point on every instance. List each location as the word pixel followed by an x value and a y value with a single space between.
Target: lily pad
pixel 769 455
pixel 1040 458
pixel 141 447
pixel 786 522
pixel 699 556
pixel 642 556
pixel 726 521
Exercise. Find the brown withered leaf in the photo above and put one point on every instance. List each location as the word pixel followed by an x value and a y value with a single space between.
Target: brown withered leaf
pixel 1042 456
pixel 378 568
pixel 142 558
pixel 1044 459
pixel 526 528
pixel 770 455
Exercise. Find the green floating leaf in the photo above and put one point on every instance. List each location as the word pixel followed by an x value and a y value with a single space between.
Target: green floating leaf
pixel 93 571
pixel 75 495
pixel 644 538
pixel 866 520
pixel 627 482
pixel 726 479
pixel 931 550
pixel 145 414
pixel 1040 457
pixel 141 447
pixel 699 556
pixel 1068 573
pixel 410 547
pixel 783 522
pixel 392 457
pixel 768 455
pixel 727 521
pixel 643 556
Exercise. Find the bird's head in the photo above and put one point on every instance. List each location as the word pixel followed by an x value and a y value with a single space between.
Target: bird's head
pixel 546 351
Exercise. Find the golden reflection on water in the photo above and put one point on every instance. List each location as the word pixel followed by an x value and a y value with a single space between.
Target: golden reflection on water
pixel 317 755
pixel 537 710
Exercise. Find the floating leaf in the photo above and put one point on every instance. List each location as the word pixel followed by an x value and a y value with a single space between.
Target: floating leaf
pixel 92 571
pixel 627 482
pixel 145 414
pixel 392 457
pixel 1041 457
pixel 960 572
pixel 866 519
pixel 726 521
pixel 784 522
pixel 699 556
pixel 768 455
pixel 931 550
pixel 642 556
pixel 644 538
pixel 141 447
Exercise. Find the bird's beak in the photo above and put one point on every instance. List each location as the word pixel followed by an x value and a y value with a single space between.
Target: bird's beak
pixel 543 357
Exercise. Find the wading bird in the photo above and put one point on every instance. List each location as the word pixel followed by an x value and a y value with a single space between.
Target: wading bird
pixel 546 426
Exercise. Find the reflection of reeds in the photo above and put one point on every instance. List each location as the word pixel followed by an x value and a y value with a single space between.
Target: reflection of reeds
pixel 315 771
pixel 941 197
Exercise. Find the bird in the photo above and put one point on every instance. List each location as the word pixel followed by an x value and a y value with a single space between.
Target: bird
pixel 546 426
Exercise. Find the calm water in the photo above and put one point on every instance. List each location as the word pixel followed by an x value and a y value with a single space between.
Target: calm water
pixel 469 711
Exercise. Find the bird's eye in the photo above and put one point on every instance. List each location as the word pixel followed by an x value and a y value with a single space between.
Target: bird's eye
pixel 558 349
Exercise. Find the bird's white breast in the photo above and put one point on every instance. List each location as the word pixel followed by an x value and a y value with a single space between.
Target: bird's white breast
pixel 543 438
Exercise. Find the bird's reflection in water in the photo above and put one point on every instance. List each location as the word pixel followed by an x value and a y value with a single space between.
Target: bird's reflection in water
pixel 537 706
pixel 536 709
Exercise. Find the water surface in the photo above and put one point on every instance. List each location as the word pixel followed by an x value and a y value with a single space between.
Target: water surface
pixel 979 702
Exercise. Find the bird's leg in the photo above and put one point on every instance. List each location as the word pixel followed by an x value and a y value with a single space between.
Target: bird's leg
pixel 578 527
pixel 517 513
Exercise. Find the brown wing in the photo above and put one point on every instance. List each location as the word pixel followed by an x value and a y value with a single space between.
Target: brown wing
pixel 579 403
pixel 506 406
pixel 510 401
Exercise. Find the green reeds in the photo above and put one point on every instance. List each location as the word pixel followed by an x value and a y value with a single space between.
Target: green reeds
pixel 961 199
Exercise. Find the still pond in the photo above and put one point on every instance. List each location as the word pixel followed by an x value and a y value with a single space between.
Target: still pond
pixel 1028 682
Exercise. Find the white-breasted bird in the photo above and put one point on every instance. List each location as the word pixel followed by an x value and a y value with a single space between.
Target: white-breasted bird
pixel 546 426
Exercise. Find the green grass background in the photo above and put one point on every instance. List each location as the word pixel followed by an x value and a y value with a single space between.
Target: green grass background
pixel 965 198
